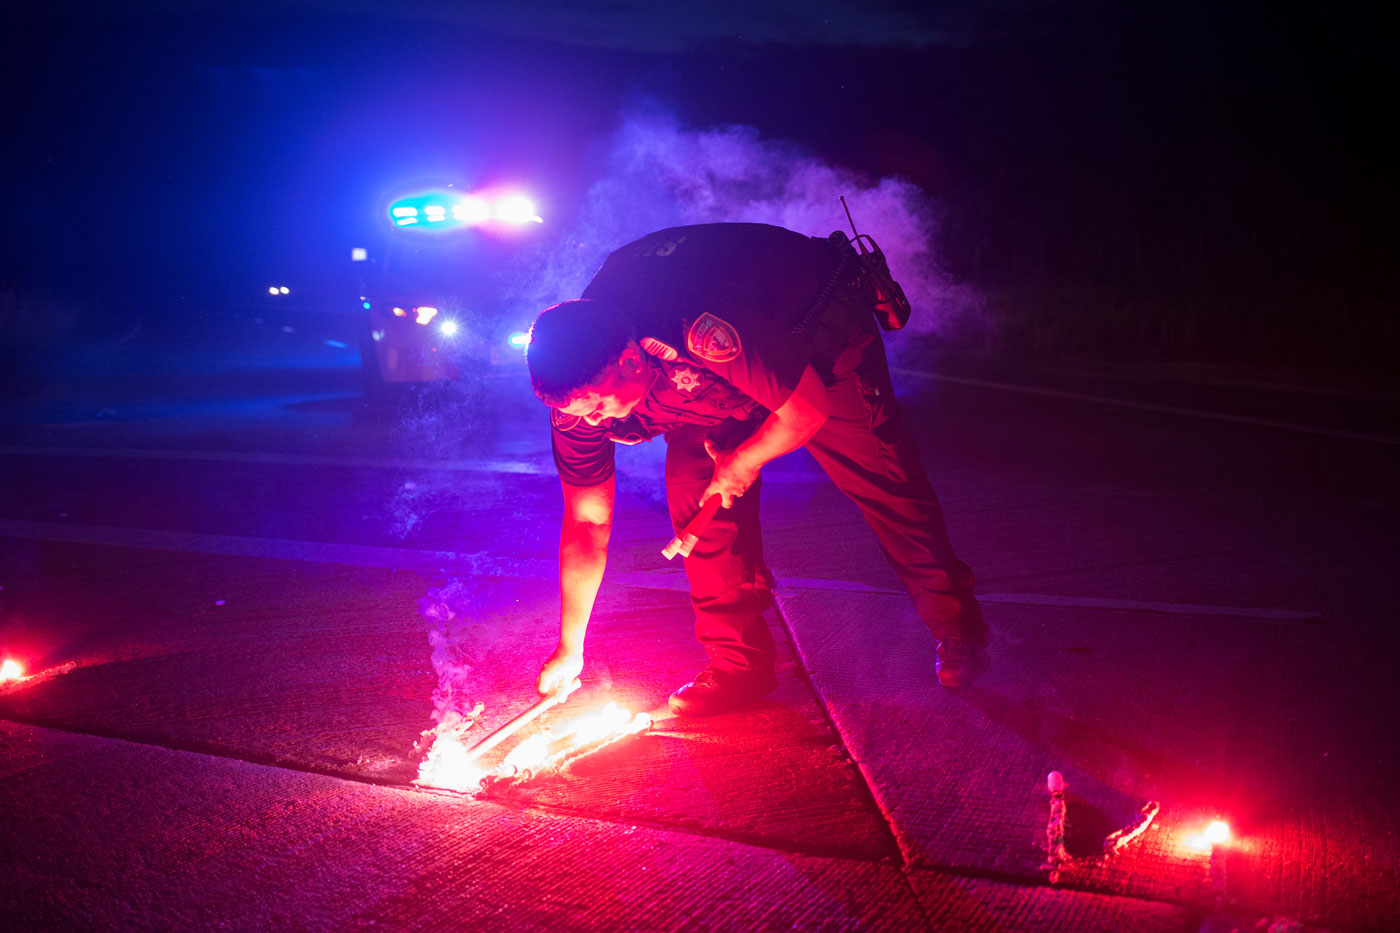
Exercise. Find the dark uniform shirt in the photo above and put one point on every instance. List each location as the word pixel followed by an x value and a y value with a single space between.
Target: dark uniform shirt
pixel 713 305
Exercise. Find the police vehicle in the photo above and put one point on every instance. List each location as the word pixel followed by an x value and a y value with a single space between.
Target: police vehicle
pixel 427 299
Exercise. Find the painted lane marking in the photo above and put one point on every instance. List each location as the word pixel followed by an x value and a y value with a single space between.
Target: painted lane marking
pixel 528 568
pixel 1160 409
pixel 276 459
pixel 518 467
pixel 1134 605
pixel 317 552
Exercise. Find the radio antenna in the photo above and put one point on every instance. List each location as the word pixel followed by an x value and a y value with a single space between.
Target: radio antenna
pixel 854 235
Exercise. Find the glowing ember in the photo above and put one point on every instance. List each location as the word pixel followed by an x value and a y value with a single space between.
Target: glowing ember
pixel 610 719
pixel 548 748
pixel 557 749
pixel 527 755
pixel 451 763
pixel 448 765
pixel 1118 840
pixel 11 669
pixel 1217 833
pixel 1212 840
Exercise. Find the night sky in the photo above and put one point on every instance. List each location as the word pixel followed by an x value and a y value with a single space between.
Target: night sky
pixel 158 152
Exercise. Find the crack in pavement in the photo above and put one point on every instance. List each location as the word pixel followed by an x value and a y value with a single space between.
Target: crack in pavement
pixel 216 751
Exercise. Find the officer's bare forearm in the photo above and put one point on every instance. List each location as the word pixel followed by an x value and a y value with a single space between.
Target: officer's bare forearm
pixel 775 438
pixel 583 554
pixel 790 426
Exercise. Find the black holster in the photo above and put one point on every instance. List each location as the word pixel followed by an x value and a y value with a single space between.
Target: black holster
pixel 866 274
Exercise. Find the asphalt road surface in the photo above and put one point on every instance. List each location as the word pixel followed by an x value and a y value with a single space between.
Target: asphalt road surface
pixel 217 558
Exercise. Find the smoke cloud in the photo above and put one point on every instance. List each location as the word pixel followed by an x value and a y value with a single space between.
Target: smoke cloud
pixel 660 174
pixel 453 613
pixel 442 421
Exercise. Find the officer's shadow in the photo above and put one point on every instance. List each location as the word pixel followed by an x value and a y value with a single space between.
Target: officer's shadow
pixel 742 775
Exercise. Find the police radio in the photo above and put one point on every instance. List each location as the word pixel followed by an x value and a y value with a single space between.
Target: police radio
pixel 891 307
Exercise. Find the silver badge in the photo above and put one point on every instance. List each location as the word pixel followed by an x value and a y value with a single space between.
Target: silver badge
pixel 685 379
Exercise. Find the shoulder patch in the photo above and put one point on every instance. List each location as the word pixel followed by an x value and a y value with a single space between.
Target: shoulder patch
pixel 712 338
pixel 659 350
pixel 563 422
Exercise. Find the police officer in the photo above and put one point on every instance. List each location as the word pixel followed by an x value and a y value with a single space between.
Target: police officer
pixel 738 343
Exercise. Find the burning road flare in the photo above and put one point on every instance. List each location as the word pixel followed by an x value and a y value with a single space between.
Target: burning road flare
pixel 530 715
pixel 1119 839
pixel 449 764
pixel 14 676
pixel 1057 854
pixel 1215 839
pixel 556 750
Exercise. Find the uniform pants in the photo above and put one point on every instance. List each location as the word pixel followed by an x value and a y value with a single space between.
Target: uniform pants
pixel 730 585
pixel 866 450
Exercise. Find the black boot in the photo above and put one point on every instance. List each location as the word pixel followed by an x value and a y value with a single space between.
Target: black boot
pixel 715 691
pixel 960 663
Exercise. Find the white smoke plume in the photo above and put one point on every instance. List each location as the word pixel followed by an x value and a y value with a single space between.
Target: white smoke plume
pixel 440 421
pixel 660 174
pixel 453 613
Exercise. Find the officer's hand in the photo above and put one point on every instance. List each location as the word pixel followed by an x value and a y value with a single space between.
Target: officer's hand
pixel 559 671
pixel 730 480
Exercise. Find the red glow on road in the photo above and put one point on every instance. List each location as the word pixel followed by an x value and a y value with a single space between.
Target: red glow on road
pixel 451 765
pixel 555 748
pixel 550 748
pixel 1217 833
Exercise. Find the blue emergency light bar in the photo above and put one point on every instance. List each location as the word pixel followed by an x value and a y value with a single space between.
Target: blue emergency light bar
pixel 437 209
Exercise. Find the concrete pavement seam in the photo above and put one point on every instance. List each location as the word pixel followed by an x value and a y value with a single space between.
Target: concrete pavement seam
pixel 831 723
pixel 871 799
pixel 214 751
